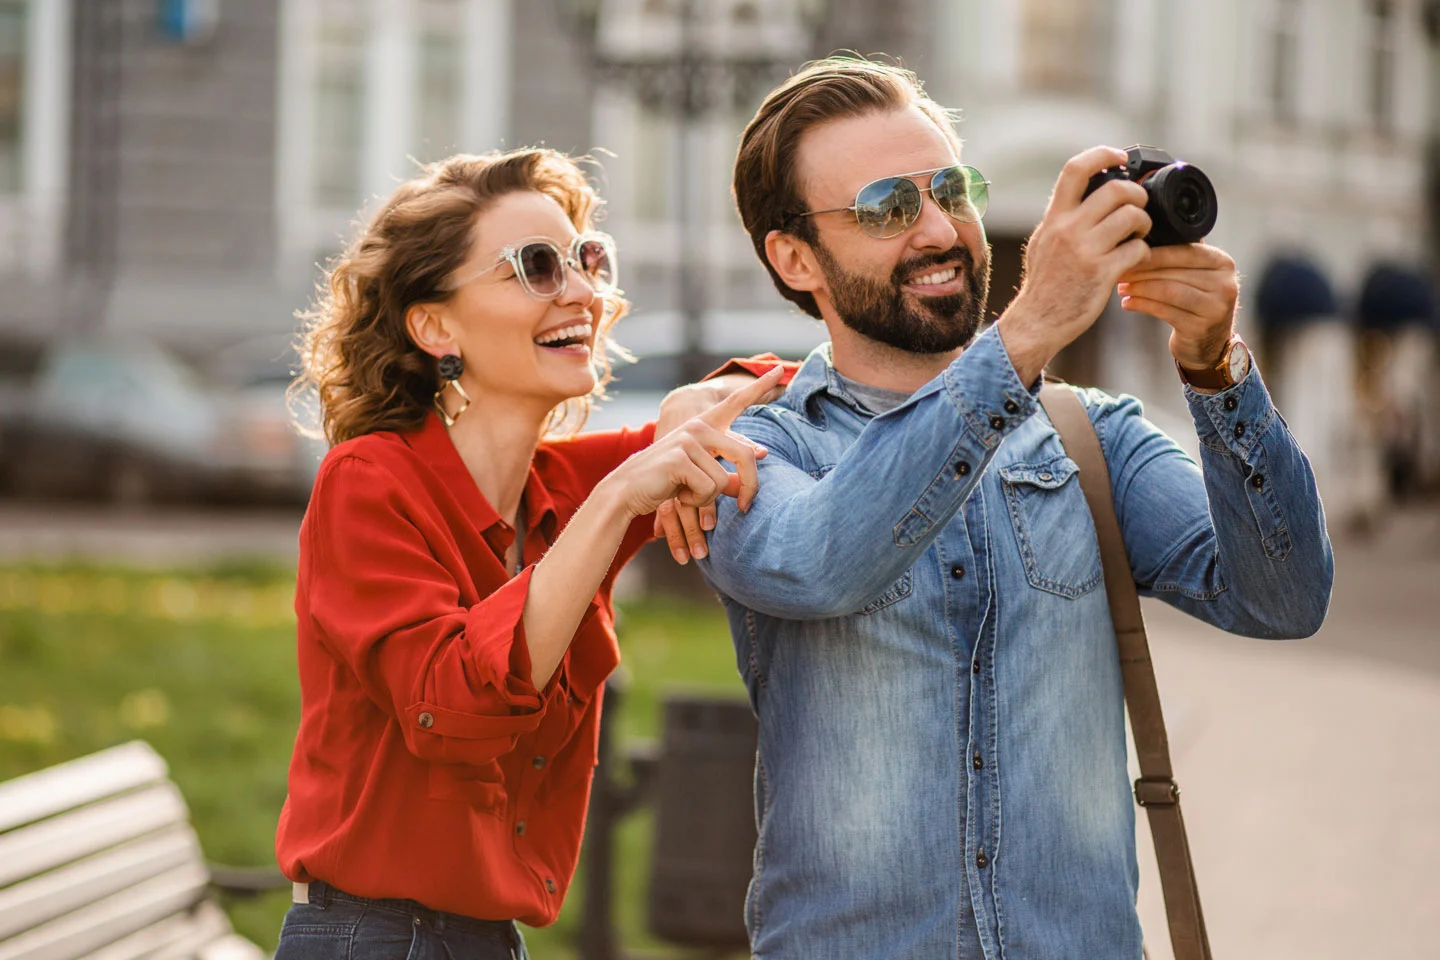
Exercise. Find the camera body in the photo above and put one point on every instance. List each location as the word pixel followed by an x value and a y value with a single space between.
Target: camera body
pixel 1182 204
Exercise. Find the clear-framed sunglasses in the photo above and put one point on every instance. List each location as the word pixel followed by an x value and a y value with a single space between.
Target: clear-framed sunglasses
pixel 542 267
pixel 888 207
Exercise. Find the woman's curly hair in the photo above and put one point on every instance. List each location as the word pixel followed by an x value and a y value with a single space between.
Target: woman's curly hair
pixel 355 352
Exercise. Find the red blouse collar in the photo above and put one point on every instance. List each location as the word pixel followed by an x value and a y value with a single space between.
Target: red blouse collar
pixel 432 442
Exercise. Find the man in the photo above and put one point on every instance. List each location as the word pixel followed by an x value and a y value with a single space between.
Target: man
pixel 915 593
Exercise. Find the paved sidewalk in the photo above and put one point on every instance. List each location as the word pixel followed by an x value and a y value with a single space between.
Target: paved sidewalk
pixel 168 537
pixel 1311 785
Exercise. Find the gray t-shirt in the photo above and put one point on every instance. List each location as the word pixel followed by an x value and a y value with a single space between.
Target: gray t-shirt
pixel 877 400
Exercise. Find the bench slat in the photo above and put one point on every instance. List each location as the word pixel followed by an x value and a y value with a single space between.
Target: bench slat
pixel 66 786
pixel 182 935
pixel 106 921
pixel 56 893
pixel 60 840
pixel 232 947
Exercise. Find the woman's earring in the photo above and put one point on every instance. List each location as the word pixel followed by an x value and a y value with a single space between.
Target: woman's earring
pixel 450 369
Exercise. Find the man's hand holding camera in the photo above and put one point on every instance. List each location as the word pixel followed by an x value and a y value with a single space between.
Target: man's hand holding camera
pixel 1194 288
pixel 1092 239
pixel 1080 250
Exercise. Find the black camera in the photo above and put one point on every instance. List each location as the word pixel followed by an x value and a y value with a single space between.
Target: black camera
pixel 1182 204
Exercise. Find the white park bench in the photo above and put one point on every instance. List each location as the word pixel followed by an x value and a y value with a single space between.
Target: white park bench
pixel 98 859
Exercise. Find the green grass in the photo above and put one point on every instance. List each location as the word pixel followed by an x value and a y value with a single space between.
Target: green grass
pixel 201 665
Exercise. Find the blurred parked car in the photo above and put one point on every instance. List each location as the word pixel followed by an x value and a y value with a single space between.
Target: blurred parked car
pixel 130 423
pixel 259 441
pixel 123 422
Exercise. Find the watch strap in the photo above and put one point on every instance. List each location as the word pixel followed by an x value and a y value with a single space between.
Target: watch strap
pixel 1209 378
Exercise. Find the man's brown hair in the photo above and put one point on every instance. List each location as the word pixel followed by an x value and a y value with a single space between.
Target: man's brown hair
pixel 767 186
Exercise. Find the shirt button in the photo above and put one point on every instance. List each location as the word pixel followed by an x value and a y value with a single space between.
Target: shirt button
pixel 427 720
pixel 996 423
pixel 1230 403
pixel 977 761
pixel 981 860
pixel 1046 477
pixel 549 885
pixel 538 763
pixel 957 571
pixel 975 665
pixel 520 829
pixel 1239 429
pixel 1258 481
pixel 962 469
pixel 1011 406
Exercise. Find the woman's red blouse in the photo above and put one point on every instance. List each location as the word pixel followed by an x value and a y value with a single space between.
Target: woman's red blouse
pixel 428 766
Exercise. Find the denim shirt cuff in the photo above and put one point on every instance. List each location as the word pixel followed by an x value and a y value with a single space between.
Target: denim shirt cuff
pixel 1233 420
pixel 987 391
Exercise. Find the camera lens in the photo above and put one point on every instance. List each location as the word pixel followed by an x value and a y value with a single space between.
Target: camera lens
pixel 1183 206
pixel 1188 203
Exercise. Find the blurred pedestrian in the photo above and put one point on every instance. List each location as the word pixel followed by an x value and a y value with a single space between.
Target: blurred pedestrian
pixel 457 560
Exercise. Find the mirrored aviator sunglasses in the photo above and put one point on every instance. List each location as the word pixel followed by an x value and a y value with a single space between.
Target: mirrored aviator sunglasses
pixel 889 206
pixel 541 265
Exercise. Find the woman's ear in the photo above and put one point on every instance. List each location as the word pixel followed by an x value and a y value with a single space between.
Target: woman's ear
pixel 794 261
pixel 428 330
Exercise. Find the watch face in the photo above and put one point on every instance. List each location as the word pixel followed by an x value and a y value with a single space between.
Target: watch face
pixel 1239 361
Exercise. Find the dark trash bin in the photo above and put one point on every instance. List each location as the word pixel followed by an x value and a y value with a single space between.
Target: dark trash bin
pixel 704 822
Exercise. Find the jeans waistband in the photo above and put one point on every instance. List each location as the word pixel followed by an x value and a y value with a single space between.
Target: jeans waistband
pixel 318 893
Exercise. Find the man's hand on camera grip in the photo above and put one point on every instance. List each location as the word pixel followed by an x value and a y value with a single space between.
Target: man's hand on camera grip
pixel 1073 259
pixel 1194 288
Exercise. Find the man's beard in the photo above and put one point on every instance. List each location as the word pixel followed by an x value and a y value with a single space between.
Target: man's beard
pixel 880 310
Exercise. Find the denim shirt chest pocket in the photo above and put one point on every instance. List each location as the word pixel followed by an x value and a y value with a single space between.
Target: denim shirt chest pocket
pixel 1052 525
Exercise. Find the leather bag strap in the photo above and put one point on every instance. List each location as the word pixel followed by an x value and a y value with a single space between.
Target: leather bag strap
pixel 1155 790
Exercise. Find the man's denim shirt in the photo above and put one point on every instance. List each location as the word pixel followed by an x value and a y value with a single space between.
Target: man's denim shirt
pixel 918 611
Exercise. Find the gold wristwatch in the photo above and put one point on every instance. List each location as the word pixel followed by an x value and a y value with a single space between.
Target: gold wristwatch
pixel 1230 369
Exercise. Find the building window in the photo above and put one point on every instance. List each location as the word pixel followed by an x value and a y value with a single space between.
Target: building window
pixel 441 79
pixel 1382 63
pixel 339 108
pixel 12 94
pixel 654 162
pixel 1064 46
pixel 1285 60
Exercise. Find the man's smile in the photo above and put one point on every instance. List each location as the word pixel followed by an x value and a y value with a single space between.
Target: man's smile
pixel 937 282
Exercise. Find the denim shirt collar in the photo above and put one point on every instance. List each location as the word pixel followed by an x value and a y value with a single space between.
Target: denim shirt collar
pixel 816 376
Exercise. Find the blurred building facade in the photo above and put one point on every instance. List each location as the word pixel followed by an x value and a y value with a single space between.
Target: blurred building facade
pixel 178 168
pixel 1316 122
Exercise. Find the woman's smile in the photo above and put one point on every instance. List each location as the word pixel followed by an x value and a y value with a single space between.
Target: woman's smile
pixel 574 338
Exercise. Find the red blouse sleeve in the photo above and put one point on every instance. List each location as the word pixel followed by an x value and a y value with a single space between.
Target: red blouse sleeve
pixel 457 678
pixel 590 456
pixel 757 366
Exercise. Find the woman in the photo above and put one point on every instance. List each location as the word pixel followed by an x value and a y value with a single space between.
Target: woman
pixel 453 596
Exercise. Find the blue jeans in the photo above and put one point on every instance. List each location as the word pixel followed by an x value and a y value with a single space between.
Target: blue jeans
pixel 338 926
